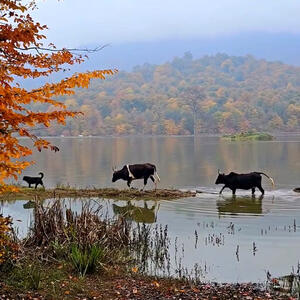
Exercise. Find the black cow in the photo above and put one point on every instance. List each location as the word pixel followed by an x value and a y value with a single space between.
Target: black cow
pixel 34 180
pixel 247 181
pixel 137 171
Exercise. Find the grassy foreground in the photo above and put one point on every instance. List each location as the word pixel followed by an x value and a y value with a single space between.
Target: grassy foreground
pixel 111 193
pixel 58 283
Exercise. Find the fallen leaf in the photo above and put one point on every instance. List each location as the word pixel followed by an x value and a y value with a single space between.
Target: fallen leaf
pixel 155 283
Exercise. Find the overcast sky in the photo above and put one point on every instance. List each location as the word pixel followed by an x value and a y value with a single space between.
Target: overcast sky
pixel 79 22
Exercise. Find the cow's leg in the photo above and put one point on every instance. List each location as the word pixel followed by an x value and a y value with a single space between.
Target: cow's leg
pixel 129 182
pixel 36 185
pixel 154 180
pixel 233 192
pixel 261 189
pixel 29 185
pixel 253 190
pixel 222 189
pixel 145 182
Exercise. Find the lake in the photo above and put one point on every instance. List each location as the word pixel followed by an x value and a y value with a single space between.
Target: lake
pixel 231 239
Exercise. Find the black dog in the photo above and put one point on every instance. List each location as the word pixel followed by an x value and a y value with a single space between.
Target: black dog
pixel 34 180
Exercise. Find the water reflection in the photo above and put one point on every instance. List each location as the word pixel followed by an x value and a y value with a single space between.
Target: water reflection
pixel 272 222
pixel 28 205
pixel 181 161
pixel 235 205
pixel 269 225
pixel 136 213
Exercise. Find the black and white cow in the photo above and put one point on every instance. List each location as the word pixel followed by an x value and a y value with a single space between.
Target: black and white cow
pixel 247 181
pixel 137 171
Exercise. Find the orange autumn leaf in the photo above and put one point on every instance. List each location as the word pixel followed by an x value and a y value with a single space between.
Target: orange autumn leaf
pixel 155 283
pixel 8 247
pixel 23 55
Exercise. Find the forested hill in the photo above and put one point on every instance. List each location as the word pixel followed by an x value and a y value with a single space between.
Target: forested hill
pixel 219 94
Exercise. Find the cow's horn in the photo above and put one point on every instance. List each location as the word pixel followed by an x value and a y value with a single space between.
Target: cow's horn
pixel 218 171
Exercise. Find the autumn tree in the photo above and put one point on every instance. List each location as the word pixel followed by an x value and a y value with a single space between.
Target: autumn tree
pixel 193 97
pixel 140 101
pixel 24 54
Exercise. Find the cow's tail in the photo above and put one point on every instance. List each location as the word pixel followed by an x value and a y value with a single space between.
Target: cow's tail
pixel 272 180
pixel 156 174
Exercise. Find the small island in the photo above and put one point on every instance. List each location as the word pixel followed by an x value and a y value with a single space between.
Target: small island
pixel 25 193
pixel 249 136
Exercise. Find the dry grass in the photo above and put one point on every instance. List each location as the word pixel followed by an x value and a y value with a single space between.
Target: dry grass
pixel 55 224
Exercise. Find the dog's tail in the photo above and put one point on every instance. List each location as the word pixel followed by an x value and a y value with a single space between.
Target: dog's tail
pixel 272 180
pixel 42 174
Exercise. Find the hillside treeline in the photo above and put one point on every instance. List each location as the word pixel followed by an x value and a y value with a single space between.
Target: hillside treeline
pixel 213 94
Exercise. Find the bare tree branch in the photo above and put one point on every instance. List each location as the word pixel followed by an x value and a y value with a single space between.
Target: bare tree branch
pixel 98 48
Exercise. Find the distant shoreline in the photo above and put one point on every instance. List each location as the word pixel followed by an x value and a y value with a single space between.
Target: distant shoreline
pixel 149 136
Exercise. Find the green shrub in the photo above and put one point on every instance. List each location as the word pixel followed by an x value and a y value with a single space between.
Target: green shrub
pixel 59 251
pixel 25 275
pixel 34 277
pixel 86 260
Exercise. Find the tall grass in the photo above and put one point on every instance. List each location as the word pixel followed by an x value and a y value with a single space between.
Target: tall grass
pixel 82 238
pixel 56 224
pixel 90 241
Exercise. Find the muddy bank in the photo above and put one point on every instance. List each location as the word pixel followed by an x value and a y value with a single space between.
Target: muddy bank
pixel 111 193
pixel 139 287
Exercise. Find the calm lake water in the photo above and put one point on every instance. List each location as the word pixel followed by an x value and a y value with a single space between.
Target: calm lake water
pixel 209 228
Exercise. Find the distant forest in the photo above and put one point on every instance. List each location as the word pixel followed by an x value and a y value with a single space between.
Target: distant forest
pixel 215 94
